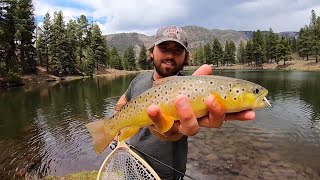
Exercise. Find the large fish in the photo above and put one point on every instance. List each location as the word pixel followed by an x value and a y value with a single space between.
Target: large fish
pixel 235 94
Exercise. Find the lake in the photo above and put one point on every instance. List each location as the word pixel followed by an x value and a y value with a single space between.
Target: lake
pixel 42 130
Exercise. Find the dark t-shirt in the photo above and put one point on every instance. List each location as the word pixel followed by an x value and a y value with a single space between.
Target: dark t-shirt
pixel 173 154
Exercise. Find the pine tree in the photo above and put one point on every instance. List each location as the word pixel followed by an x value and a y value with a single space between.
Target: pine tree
pixel 142 61
pixel 217 51
pixel 99 46
pixel 249 52
pixel 283 50
pixel 71 30
pixel 47 36
pixel 271 45
pixel 58 45
pixel 305 42
pixel 83 29
pixel 131 60
pixel 258 47
pixel 24 35
pixel 207 54
pixel 241 53
pixel 9 63
pixel 232 52
pixel 115 59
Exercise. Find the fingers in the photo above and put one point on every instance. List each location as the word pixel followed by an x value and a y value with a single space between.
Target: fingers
pixel 188 122
pixel 203 70
pixel 242 116
pixel 216 113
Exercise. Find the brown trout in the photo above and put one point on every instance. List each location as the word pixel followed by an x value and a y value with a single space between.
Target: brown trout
pixel 235 94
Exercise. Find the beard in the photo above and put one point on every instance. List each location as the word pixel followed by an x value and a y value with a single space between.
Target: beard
pixel 165 70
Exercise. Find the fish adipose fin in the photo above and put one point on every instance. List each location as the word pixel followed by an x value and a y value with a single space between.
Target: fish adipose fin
pixel 128 132
pixel 101 137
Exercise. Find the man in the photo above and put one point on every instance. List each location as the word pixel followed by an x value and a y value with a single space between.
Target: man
pixel 169 54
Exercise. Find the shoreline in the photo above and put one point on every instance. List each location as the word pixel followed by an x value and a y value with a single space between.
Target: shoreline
pixel 42 78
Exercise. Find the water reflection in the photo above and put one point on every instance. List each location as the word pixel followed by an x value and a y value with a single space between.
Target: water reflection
pixel 42 130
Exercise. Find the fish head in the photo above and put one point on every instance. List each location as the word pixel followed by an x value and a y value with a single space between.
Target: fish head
pixel 242 95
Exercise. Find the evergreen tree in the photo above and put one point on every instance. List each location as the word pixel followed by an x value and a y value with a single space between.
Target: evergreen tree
pixel 46 38
pixel 249 52
pixel 99 46
pixel 232 52
pixel 225 59
pixel 283 50
pixel 40 47
pixel 258 48
pixel 305 42
pixel 115 59
pixel 142 61
pixel 217 51
pixel 24 36
pixel 82 34
pixel 58 45
pixel 131 59
pixel 7 41
pixel 241 53
pixel 271 45
pixel 207 54
pixel 71 37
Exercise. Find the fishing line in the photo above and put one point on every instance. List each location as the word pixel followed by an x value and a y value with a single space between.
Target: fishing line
pixel 181 173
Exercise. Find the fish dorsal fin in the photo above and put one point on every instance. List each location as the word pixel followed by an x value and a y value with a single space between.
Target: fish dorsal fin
pixel 163 80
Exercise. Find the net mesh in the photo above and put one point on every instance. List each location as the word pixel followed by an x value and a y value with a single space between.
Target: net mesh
pixel 123 165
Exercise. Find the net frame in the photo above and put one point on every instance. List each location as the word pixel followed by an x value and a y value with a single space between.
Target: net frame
pixel 123 149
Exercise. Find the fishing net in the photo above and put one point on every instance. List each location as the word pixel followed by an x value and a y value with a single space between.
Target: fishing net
pixel 124 164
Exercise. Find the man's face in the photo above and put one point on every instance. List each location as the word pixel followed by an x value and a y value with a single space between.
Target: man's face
pixel 168 58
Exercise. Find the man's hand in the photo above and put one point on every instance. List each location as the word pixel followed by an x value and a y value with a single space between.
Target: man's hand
pixel 188 124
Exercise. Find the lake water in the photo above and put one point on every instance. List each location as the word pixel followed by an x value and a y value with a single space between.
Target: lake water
pixel 42 130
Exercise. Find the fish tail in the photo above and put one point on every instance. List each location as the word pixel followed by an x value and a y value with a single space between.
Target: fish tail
pixel 101 137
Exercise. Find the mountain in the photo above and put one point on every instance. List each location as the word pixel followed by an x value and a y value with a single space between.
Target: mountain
pixel 289 34
pixel 197 36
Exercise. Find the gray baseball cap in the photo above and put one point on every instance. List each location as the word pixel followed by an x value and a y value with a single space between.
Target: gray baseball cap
pixel 171 33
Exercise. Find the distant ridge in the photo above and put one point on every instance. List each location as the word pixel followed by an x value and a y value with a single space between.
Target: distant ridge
pixel 198 36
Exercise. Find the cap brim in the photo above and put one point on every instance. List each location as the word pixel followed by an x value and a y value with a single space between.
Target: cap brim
pixel 169 39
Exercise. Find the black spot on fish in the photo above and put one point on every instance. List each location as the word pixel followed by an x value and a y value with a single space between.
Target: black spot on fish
pixel 225 97
pixel 237 91
pixel 235 98
pixel 242 89
pixel 211 82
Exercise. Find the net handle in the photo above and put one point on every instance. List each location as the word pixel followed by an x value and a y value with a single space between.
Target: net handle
pixel 123 145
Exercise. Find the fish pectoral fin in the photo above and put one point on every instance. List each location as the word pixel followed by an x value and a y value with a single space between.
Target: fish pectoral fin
pixel 165 123
pixel 128 132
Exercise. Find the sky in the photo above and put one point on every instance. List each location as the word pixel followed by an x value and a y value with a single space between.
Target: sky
pixel 146 16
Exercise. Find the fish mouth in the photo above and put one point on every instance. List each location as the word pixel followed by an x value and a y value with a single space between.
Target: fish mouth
pixel 262 101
